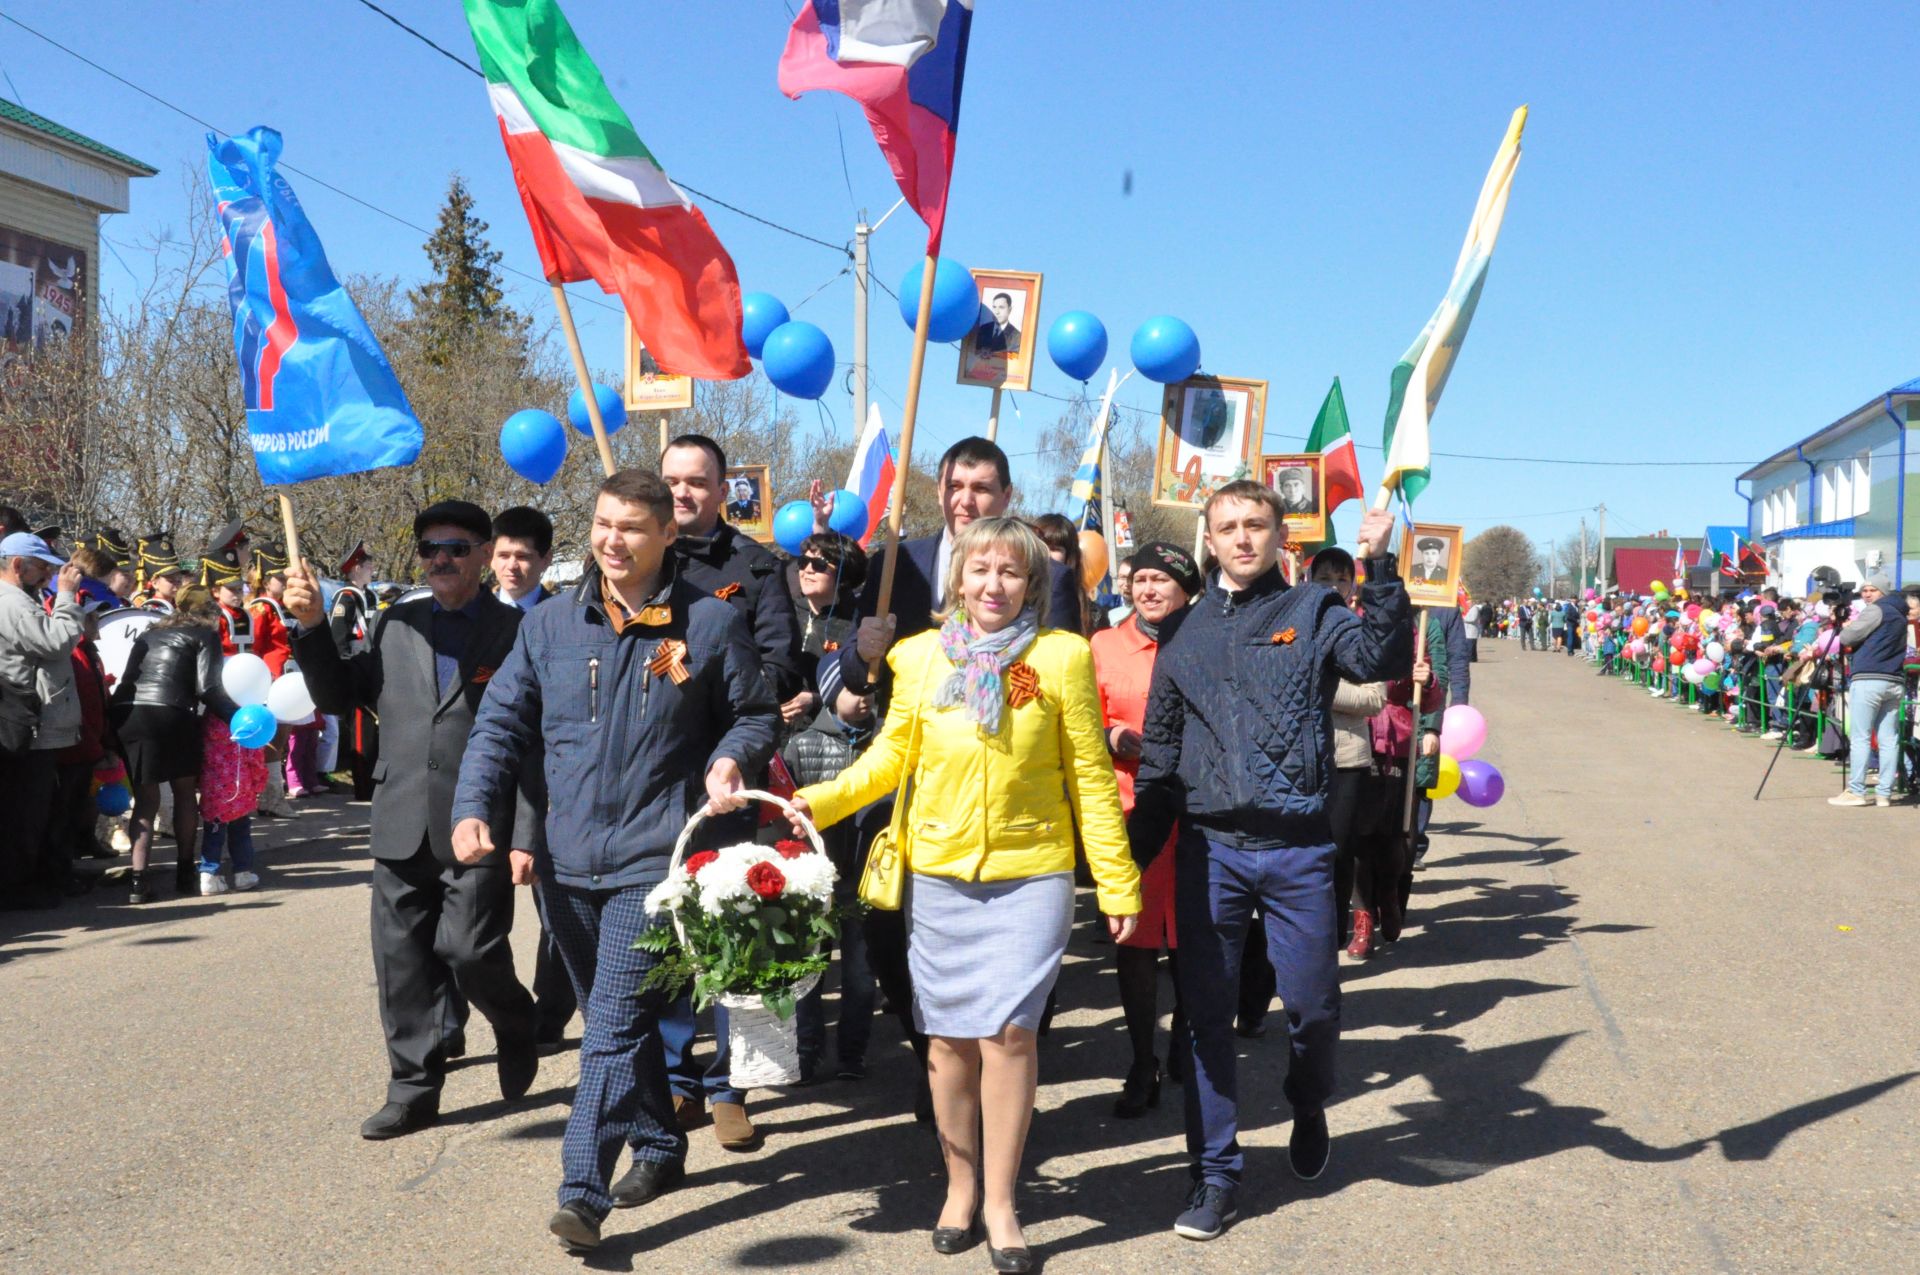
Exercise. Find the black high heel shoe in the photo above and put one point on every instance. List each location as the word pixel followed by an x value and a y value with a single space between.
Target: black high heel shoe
pixel 948 1240
pixel 1011 1261
pixel 1141 1091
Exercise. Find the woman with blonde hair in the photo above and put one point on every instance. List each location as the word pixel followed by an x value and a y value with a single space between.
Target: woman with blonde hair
pixel 995 720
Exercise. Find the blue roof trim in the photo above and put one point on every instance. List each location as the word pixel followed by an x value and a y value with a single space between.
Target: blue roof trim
pixel 1838 529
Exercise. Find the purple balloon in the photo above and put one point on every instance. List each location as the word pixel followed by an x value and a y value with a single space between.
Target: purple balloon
pixel 1480 784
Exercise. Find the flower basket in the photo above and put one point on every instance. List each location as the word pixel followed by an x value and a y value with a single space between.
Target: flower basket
pixel 750 926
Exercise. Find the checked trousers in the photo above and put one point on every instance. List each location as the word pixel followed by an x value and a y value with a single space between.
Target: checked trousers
pixel 623 1097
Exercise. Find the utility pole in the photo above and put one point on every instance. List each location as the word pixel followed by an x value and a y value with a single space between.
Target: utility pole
pixel 1583 559
pixel 1601 588
pixel 860 233
pixel 1553 567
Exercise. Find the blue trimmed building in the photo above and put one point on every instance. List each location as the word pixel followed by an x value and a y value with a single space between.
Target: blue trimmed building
pixel 1837 506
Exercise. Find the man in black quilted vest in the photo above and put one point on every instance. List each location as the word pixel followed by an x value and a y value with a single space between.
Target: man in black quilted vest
pixel 1238 749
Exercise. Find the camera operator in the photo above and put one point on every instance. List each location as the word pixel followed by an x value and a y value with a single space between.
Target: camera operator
pixel 1877 638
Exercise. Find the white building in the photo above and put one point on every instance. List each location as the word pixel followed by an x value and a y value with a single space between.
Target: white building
pixel 1833 507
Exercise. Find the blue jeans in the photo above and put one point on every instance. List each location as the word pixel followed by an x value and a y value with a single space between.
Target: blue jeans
pixel 1216 888
pixel 1873 718
pixel 213 836
pixel 623 1095
pixel 678 1026
pixel 1776 717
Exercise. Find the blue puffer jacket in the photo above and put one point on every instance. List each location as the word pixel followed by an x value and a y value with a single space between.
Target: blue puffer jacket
pixel 1239 733
pixel 627 751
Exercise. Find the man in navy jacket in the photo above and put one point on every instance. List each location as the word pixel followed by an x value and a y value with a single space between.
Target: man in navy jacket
pixel 1238 749
pixel 646 697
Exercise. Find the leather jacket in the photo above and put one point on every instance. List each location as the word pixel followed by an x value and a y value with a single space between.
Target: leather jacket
pixel 175 668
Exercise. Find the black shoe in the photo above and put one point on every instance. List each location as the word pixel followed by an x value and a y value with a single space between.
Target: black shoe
pixel 1141 1091
pixel 851 1071
pixel 645 1180
pixel 1210 1207
pixel 948 1240
pixel 577 1230
pixel 1250 1028
pixel 518 1062
pixel 1014 1261
pixel 398 1119
pixel 141 889
pixel 454 1046
pixel 1310 1145
pixel 550 1035
pixel 186 880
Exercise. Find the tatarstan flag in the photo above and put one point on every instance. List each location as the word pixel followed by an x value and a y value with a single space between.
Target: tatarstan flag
pixel 1334 441
pixel 599 204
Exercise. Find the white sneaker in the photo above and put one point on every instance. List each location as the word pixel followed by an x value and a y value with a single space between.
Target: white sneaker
pixel 212 883
pixel 1848 799
pixel 1882 802
pixel 1775 734
pixel 243 881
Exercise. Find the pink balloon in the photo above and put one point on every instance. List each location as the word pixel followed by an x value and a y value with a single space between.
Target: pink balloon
pixel 1462 731
pixel 1703 666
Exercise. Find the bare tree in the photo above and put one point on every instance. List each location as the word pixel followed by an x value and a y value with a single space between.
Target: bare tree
pixel 1500 563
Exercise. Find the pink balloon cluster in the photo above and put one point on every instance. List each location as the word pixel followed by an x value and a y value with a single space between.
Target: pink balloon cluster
pixel 1463 732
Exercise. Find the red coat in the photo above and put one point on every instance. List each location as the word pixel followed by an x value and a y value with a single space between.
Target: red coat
pixel 1123 670
pixel 271 641
pixel 90 688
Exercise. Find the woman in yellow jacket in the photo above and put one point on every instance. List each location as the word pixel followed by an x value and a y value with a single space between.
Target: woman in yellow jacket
pixel 997 721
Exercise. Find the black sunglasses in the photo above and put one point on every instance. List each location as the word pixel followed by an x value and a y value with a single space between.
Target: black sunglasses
pixel 454 548
pixel 811 563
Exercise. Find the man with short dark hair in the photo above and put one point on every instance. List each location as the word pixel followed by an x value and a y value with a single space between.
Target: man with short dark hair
pixel 1235 753
pixel 439 921
pixel 636 695
pixel 717 559
pixel 522 552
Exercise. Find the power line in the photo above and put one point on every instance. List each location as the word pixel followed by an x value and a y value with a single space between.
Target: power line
pixel 449 56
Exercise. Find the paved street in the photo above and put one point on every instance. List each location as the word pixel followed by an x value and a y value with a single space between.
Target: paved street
pixel 1640 1022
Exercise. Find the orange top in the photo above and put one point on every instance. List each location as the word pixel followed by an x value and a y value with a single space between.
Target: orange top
pixel 1123 670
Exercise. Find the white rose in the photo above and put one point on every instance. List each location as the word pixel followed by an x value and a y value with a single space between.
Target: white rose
pixel 670 893
pixel 810 875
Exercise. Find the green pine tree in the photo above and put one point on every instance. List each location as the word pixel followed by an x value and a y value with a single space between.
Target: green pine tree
pixel 464 296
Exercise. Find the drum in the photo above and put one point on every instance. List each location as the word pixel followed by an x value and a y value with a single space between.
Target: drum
pixel 119 629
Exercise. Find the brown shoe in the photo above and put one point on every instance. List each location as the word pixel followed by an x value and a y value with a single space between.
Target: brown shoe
pixel 687 1111
pixel 732 1128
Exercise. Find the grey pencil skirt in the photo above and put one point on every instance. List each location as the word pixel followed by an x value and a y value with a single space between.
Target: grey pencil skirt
pixel 984 954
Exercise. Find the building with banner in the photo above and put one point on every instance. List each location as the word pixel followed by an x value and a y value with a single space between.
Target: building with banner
pixel 55 185
pixel 1834 507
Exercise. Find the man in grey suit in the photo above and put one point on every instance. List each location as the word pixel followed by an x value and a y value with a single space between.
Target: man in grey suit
pixel 435 921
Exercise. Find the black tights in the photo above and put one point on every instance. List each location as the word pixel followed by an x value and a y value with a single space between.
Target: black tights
pixel 186 819
pixel 1139 969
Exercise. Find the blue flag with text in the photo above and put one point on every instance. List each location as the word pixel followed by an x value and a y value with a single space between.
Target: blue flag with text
pixel 321 397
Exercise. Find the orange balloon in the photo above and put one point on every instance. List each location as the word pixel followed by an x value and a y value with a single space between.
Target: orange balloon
pixel 1093 560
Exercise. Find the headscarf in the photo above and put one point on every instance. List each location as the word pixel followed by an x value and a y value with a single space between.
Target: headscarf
pixel 1158 555
pixel 979 661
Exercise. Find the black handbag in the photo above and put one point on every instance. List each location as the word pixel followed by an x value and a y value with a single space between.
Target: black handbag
pixel 19 720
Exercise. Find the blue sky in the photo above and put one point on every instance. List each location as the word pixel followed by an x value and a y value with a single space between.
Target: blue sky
pixel 1701 261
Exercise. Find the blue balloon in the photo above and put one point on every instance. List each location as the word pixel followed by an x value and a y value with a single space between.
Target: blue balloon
pixel 956 299
pixel 533 444
pixel 849 516
pixel 798 359
pixel 1077 343
pixel 1166 350
pixel 761 313
pixel 113 799
pixel 253 726
pixel 613 410
pixel 792 524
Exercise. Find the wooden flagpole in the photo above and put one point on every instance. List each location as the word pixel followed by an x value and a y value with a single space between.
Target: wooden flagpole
pixel 993 416
pixel 1415 704
pixel 293 536
pixel 586 380
pixel 897 500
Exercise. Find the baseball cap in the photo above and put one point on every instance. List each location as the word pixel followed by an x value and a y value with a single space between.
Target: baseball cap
pixel 24 544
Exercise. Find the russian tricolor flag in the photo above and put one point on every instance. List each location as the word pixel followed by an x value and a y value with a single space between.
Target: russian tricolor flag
pixel 903 61
pixel 872 473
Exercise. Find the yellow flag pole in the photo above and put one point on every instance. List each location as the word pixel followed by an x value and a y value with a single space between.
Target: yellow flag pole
pixel 586 380
pixel 897 500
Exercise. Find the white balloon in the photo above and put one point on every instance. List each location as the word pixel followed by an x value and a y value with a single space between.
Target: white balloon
pixel 246 679
pixel 289 700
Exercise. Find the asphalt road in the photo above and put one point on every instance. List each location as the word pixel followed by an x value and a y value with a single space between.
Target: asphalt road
pixel 1640 1022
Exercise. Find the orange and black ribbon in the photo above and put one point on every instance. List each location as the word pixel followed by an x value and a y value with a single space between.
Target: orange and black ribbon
pixel 1023 684
pixel 726 591
pixel 670 661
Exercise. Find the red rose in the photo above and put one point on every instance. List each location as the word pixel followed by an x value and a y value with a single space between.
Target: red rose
pixel 792 849
pixel 699 861
pixel 766 880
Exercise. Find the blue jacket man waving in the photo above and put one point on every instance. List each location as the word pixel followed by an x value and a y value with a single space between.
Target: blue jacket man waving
pixel 1238 748
pixel 645 696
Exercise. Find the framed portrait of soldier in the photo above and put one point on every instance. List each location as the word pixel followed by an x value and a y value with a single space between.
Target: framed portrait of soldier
pixel 749 504
pixel 648 388
pixel 998 353
pixel 1430 563
pixel 1302 487
pixel 1209 431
